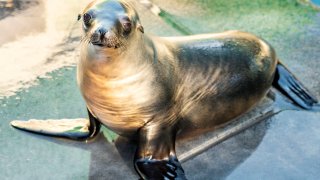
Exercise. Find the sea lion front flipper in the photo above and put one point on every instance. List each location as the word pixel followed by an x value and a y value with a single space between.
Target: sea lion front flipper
pixel 155 157
pixel 79 128
pixel 290 86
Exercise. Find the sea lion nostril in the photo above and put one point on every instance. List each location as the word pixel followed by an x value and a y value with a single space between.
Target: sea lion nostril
pixel 102 31
pixel 95 37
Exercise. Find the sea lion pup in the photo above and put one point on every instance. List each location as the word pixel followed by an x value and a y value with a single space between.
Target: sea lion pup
pixel 153 88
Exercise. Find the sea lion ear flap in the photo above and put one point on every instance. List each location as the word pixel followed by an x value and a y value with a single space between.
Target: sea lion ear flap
pixel 79 17
pixel 140 28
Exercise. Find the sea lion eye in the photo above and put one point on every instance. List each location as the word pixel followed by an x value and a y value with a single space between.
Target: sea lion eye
pixel 126 24
pixel 86 18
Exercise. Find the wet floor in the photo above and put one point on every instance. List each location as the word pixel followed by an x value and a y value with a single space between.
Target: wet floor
pixel 38 81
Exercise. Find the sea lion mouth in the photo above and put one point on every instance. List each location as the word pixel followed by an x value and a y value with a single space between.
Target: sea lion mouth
pixel 97 44
pixel 105 45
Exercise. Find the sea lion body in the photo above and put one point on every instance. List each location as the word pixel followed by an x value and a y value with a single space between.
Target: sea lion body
pixel 220 76
pixel 154 88
pixel 206 80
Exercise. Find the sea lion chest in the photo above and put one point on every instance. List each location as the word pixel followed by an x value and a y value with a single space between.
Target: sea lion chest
pixel 122 96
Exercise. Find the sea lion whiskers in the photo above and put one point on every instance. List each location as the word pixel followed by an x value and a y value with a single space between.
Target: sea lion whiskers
pixel 85 39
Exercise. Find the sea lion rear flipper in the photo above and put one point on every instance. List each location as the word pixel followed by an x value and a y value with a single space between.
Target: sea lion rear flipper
pixel 155 157
pixel 290 86
pixel 71 128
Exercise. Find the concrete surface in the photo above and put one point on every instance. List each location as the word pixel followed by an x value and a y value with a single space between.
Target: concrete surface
pixel 285 146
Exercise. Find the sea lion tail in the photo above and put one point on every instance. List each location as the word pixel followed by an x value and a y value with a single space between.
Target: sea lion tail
pixel 291 87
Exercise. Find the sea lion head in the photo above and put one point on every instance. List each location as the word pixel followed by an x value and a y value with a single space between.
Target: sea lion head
pixel 109 23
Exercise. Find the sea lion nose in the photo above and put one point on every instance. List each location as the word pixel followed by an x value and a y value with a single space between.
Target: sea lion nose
pixel 98 35
pixel 102 32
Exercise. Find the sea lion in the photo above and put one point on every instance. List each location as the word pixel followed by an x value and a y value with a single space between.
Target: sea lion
pixel 154 88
